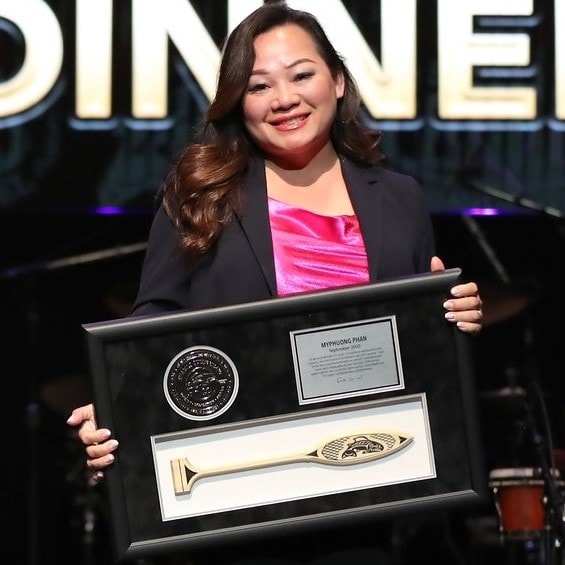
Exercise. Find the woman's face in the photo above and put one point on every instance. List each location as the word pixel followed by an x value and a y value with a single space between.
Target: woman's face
pixel 291 98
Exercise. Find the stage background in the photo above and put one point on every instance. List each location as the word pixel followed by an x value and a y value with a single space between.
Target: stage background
pixel 76 202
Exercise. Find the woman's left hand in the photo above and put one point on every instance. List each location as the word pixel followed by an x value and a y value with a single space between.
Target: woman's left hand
pixel 464 308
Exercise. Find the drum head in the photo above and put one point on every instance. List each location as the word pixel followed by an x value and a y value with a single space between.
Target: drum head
pixel 520 473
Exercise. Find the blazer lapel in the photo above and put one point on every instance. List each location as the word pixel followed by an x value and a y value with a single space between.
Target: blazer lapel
pixel 254 220
pixel 367 201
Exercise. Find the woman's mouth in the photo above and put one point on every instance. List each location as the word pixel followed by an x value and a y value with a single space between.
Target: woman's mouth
pixel 291 123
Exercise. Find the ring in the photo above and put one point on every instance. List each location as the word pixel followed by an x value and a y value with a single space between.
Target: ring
pixel 97 477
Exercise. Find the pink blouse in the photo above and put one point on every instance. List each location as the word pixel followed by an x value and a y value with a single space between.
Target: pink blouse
pixel 315 252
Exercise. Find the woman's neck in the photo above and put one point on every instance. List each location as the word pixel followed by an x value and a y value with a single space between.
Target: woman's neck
pixel 318 186
pixel 300 172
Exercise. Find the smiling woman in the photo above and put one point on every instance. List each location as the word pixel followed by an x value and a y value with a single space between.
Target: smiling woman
pixel 60 161
pixel 282 192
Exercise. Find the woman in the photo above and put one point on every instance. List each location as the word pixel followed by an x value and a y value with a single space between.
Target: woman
pixel 282 193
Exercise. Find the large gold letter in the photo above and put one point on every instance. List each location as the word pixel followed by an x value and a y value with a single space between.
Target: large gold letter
pixel 43 55
pixel 154 22
pixel 388 88
pixel 459 49
pixel 94 59
pixel 559 60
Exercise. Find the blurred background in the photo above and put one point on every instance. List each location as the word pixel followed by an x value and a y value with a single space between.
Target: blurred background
pixel 76 202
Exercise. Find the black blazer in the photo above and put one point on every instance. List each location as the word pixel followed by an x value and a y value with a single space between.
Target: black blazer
pixel 393 217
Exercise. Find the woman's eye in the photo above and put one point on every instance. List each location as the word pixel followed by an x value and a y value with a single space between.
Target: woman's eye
pixel 256 87
pixel 303 76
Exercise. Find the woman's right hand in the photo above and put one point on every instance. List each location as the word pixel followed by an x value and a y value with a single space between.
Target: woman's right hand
pixel 99 444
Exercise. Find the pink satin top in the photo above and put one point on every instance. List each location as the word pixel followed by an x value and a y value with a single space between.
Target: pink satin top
pixel 315 252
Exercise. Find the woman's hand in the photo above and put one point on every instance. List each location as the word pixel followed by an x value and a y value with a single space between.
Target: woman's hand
pixel 464 308
pixel 98 442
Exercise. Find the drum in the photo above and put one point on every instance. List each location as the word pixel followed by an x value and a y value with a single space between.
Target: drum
pixel 521 501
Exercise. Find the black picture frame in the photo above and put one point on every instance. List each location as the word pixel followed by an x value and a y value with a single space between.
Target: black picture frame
pixel 130 359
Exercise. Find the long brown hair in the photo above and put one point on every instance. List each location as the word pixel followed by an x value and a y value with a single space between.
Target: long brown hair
pixel 202 188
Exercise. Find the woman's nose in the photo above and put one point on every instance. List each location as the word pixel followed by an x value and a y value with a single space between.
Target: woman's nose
pixel 284 97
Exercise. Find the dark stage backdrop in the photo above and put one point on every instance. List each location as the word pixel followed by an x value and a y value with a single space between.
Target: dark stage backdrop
pixel 77 197
pixel 496 140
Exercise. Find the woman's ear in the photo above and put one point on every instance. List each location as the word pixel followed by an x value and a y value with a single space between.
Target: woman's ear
pixel 339 86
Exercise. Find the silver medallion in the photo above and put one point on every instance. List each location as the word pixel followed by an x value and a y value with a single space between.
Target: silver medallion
pixel 201 383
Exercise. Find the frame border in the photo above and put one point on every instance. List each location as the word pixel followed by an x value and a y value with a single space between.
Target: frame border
pixel 418 297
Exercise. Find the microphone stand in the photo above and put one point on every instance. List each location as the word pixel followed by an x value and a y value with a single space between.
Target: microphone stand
pixel 518 200
pixel 554 536
pixel 555 529
pixel 486 247
pixel 543 446
pixel 72 261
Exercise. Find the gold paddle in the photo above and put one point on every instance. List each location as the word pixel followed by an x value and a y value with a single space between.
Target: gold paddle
pixel 346 450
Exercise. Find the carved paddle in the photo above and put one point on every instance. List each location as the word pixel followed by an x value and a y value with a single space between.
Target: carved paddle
pixel 345 450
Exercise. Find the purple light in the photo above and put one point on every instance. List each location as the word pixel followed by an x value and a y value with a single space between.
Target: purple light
pixel 109 210
pixel 483 212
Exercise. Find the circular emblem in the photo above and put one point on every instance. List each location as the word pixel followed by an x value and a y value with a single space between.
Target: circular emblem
pixel 201 383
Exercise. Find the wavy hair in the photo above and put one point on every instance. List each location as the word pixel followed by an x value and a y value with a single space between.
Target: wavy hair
pixel 202 188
